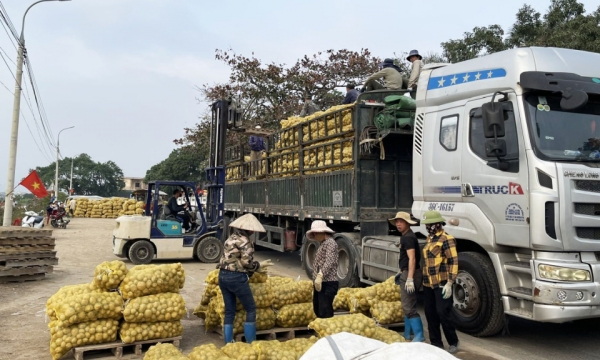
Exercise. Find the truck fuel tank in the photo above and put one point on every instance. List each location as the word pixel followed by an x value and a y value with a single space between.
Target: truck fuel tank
pixel 379 257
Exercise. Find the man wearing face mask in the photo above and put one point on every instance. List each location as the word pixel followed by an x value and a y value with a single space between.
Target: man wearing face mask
pixel 441 269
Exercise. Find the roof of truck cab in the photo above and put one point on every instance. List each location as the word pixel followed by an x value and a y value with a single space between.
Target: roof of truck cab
pixel 502 70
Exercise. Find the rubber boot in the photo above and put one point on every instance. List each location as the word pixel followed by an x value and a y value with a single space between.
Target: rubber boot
pixel 406 329
pixel 417 327
pixel 228 333
pixel 250 331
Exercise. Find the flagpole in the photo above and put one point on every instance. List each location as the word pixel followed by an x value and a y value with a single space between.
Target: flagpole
pixel 71 182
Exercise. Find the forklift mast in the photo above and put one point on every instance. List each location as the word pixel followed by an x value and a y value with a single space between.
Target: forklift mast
pixel 224 116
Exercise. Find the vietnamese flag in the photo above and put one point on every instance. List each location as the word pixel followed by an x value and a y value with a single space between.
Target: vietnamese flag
pixel 34 184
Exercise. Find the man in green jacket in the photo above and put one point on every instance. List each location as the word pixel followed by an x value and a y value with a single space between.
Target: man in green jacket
pixel 391 75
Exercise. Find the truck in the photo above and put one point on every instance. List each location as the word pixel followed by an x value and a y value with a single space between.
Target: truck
pixel 505 146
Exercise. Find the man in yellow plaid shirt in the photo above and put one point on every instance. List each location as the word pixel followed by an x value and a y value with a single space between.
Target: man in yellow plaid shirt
pixel 439 273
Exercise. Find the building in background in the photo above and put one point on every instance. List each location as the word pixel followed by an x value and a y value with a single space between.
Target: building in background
pixel 134 183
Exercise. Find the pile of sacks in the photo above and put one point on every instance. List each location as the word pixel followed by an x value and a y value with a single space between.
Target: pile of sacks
pixel 381 301
pixel 335 152
pixel 131 207
pixel 147 299
pixel 107 208
pixel 258 350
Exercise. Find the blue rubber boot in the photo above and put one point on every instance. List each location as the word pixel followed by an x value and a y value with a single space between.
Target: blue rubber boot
pixel 406 329
pixel 228 333
pixel 417 327
pixel 250 331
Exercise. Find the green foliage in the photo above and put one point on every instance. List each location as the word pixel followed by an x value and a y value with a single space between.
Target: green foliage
pixel 183 164
pixel 89 177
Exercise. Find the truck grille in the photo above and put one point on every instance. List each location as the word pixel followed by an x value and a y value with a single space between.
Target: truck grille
pixel 592 233
pixel 587 209
pixel 587 185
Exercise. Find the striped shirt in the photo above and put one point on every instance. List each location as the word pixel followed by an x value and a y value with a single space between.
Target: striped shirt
pixel 441 260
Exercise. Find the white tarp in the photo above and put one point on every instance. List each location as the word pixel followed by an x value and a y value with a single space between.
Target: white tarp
pixel 346 346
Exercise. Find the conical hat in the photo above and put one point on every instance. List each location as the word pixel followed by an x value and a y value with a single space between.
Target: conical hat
pixel 248 222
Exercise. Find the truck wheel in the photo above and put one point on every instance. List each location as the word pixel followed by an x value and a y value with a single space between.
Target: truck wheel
pixel 347 271
pixel 209 250
pixel 477 301
pixel 309 250
pixel 141 252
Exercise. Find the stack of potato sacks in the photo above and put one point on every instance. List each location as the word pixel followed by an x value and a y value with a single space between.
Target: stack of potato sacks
pixel 335 151
pixel 87 313
pixel 81 207
pixel 105 208
pixel 153 307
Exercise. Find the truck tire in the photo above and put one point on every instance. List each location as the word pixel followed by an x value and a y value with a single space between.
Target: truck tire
pixel 141 252
pixel 309 250
pixel 347 269
pixel 209 250
pixel 477 306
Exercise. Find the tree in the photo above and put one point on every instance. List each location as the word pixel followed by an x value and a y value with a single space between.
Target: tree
pixel 89 177
pixel 184 164
pixel 564 25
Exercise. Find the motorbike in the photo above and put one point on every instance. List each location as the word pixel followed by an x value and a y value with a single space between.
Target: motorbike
pixel 58 218
pixel 32 220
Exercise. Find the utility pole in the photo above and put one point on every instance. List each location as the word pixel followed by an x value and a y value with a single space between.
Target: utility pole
pixel 71 182
pixel 57 152
pixel 14 131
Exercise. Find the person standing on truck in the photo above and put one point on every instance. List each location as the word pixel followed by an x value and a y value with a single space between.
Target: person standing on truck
pixel 441 269
pixel 325 269
pixel 236 266
pixel 174 208
pixel 257 147
pixel 415 72
pixel 391 75
pixel 410 276
pixel 309 107
pixel 351 94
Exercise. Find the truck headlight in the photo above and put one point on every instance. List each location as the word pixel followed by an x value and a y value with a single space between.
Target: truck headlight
pixel 560 273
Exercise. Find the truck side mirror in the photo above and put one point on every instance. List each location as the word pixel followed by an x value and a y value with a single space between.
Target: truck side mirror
pixel 495 148
pixel 493 119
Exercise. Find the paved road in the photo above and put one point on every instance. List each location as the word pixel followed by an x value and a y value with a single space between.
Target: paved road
pixel 527 340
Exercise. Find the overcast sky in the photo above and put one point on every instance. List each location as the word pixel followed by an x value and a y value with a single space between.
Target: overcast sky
pixel 123 71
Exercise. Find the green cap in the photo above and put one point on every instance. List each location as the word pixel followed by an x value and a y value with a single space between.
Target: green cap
pixel 432 217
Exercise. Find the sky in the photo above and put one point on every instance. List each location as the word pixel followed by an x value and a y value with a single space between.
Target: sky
pixel 124 72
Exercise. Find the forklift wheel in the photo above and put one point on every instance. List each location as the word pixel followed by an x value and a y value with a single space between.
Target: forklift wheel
pixel 141 252
pixel 209 249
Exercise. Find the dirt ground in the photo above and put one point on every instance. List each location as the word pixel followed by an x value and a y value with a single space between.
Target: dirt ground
pixel 24 333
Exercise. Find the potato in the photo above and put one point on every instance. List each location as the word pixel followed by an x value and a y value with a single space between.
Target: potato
pixel 301 345
pixel 240 351
pixel 109 274
pixel 387 336
pixel 132 332
pixel 357 324
pixel 145 280
pixel 274 350
pixel 151 308
pixel 88 307
pixel 67 291
pixel 295 315
pixel 360 301
pixel 207 352
pixel 164 352
pixel 340 302
pixel 295 292
pixel 387 312
pixel 63 339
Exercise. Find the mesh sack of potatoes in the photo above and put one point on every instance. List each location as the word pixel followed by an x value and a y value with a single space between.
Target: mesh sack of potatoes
pixel 88 307
pixel 387 312
pixel 277 281
pixel 159 307
pixel 109 274
pixel 212 319
pixel 387 336
pixel 164 352
pixel 145 280
pixel 340 302
pixel 132 332
pixel 295 315
pixel 295 292
pixel 388 290
pixel 358 302
pixel 265 319
pixel 63 339
pixel 200 311
pixel 274 350
pixel 210 291
pixel 64 292
pixel 207 352
pixel 212 277
pixel 301 345
pixel 357 324
pixel 240 351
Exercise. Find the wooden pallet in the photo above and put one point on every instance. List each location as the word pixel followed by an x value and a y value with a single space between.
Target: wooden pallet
pixel 276 333
pixel 23 232
pixel 24 249
pixel 22 278
pixel 117 347
pixel 31 270
pixel 28 241
pixel 13 263
pixel 29 255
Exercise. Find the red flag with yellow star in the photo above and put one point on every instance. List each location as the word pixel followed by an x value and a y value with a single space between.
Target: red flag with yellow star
pixel 34 184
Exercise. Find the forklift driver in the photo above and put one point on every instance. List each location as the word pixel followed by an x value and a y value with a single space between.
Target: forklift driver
pixel 175 208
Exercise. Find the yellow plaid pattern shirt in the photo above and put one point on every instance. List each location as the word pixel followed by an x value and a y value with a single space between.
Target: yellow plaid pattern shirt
pixel 441 260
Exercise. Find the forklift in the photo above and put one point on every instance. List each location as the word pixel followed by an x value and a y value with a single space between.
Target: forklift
pixel 157 234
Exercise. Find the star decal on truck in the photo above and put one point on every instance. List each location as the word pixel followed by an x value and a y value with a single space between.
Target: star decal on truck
pixel 440 82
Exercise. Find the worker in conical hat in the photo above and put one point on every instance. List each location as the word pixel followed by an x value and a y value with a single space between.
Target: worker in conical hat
pixel 236 266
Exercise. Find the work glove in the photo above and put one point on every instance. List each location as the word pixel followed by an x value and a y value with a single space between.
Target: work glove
pixel 319 281
pixel 447 290
pixel 410 286
pixel 264 265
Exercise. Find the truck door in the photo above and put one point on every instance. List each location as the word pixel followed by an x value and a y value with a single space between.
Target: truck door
pixel 500 195
pixel 442 145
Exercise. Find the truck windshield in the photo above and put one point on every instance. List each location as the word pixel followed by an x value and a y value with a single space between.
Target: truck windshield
pixel 564 135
